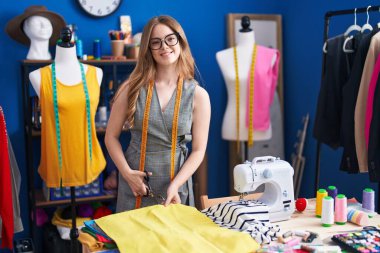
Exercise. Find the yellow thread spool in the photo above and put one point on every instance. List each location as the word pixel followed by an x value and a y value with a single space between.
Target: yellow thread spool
pixel 321 193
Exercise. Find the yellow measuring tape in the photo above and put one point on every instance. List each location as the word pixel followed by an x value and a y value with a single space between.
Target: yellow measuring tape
pixel 251 96
pixel 251 93
pixel 144 136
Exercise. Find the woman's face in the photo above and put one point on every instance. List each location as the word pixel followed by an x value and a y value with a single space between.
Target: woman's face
pixel 164 45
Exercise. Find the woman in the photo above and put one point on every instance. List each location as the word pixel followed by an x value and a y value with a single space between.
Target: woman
pixel 162 98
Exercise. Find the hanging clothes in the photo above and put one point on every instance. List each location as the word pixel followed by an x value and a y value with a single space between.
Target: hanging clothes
pixel 349 162
pixel 374 138
pixel 335 72
pixel 370 98
pixel 361 102
pixel 77 168
pixel 6 201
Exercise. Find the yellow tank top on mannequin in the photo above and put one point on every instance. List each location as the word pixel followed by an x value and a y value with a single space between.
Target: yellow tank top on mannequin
pixel 77 169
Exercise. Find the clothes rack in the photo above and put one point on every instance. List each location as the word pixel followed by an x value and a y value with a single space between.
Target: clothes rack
pixel 328 15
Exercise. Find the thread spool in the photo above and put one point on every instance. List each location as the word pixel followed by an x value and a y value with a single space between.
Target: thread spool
pixel 332 191
pixel 327 211
pixel 79 46
pixel 321 193
pixel 357 217
pixel 340 209
pixel 368 201
pixel 97 50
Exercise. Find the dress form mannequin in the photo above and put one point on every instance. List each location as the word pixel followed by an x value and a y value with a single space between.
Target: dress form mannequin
pixel 68 73
pixel 66 62
pixel 39 30
pixel 245 40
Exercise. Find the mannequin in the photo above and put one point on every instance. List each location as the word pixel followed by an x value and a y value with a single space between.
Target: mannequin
pixel 66 62
pixel 266 61
pixel 39 30
pixel 245 39
pixel 70 152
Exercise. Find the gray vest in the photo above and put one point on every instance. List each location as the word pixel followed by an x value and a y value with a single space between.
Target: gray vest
pixel 158 148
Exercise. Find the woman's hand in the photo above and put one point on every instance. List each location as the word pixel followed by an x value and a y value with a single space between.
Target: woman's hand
pixel 172 196
pixel 135 180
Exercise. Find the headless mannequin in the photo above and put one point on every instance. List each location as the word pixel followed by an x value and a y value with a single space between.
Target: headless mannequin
pixel 66 62
pixel 245 40
pixel 39 30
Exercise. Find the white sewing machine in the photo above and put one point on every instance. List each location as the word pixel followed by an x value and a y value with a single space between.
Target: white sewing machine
pixel 277 175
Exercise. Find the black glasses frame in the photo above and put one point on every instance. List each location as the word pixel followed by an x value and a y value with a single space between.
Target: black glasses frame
pixel 164 40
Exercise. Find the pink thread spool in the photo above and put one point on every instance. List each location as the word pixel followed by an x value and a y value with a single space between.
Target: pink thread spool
pixel 340 209
pixel 357 217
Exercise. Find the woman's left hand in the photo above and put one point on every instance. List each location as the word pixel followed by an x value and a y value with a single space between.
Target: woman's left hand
pixel 172 196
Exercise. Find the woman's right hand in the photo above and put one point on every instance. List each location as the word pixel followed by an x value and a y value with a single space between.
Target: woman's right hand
pixel 135 180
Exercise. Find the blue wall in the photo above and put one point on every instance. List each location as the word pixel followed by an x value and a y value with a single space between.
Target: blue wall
pixel 205 26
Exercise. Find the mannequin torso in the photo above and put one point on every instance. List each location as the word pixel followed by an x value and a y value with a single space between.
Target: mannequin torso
pixel 65 62
pixel 244 47
pixel 39 30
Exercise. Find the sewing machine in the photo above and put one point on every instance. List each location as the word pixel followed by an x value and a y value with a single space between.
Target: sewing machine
pixel 276 175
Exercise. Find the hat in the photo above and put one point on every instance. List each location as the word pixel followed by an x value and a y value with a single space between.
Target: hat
pixel 14 27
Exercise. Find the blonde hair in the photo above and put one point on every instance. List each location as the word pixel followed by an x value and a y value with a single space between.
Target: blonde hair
pixel 145 69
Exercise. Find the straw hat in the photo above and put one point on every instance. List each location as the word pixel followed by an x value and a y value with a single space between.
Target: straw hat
pixel 14 27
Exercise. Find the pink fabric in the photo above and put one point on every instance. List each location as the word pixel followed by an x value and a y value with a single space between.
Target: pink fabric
pixel 371 94
pixel 264 87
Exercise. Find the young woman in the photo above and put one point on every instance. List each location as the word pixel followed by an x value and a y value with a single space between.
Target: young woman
pixel 164 108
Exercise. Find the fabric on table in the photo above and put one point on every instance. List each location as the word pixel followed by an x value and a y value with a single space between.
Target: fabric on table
pixel 249 216
pixel 175 228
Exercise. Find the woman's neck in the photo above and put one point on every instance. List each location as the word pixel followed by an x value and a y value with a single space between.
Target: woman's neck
pixel 66 56
pixel 166 75
pixel 245 38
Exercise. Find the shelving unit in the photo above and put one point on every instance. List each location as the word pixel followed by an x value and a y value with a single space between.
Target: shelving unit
pixel 36 197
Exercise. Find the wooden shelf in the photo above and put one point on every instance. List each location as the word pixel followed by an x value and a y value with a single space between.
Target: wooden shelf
pixel 91 62
pixel 42 202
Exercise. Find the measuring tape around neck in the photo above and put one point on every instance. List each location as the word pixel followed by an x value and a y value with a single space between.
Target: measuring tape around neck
pixel 144 136
pixel 251 93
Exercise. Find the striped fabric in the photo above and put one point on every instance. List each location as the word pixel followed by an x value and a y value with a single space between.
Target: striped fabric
pixel 249 216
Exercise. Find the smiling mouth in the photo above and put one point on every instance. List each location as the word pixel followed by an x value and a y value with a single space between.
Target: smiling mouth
pixel 166 53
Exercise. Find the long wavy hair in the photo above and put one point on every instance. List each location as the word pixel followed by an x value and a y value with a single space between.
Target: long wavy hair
pixel 145 69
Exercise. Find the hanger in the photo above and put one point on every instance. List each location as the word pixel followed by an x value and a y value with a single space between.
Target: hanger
pixel 353 27
pixel 367 26
pixel 350 29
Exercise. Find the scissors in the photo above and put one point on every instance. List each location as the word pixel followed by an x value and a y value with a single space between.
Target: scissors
pixel 149 192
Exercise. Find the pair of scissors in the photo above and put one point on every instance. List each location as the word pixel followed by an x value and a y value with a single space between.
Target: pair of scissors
pixel 149 192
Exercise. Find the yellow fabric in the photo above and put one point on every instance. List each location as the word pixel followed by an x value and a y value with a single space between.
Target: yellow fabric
pixel 176 228
pixel 76 166
pixel 91 243
pixel 58 221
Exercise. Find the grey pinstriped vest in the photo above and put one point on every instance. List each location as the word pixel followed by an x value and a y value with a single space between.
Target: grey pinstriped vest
pixel 158 148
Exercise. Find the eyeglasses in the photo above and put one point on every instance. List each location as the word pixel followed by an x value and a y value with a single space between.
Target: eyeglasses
pixel 170 40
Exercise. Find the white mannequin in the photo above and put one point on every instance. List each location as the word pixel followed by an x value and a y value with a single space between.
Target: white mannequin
pixel 225 59
pixel 65 62
pixel 39 30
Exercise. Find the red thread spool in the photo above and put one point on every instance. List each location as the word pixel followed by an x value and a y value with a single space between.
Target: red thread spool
pixel 301 204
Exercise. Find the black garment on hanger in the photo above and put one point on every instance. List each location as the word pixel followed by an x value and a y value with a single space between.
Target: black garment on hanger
pixel 335 73
pixel 374 138
pixel 350 91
